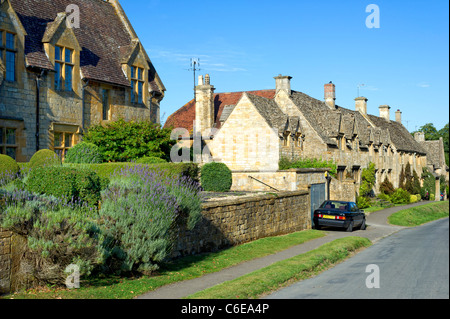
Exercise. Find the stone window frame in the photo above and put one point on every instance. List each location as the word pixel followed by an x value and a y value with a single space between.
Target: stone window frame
pixel 106 105
pixel 4 49
pixel 69 131
pixel 5 144
pixel 137 84
pixel 62 61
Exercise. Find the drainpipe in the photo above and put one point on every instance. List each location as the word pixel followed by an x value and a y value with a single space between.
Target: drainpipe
pixel 151 105
pixel 83 103
pixel 38 86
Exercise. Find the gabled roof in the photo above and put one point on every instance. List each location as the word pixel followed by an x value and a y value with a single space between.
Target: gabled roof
pixel 185 116
pixel 101 34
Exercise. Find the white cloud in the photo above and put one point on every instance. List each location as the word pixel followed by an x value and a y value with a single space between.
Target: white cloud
pixel 423 85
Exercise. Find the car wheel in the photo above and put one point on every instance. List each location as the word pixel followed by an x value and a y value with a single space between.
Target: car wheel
pixel 363 225
pixel 350 227
pixel 317 227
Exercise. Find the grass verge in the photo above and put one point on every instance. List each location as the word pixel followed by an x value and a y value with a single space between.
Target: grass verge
pixel 416 216
pixel 280 274
pixel 182 269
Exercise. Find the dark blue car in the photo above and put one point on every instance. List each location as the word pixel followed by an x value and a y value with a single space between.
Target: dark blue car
pixel 339 214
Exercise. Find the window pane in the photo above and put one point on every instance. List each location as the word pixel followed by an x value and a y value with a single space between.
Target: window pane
pixel 139 73
pixel 133 72
pixel 11 136
pixel 133 94
pixel 10 66
pixel 140 86
pixel 1 135
pixel 68 140
pixel 68 82
pixel 105 102
pixel 68 55
pixel 11 151
pixel 58 53
pixel 58 140
pixel 10 41
pixel 58 68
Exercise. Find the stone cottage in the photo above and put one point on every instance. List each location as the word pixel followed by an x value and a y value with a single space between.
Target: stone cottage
pixel 66 65
pixel 252 131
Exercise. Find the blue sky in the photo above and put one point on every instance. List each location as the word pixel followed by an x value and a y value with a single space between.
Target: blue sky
pixel 244 44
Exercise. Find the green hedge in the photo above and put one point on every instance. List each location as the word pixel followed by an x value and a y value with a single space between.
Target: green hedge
pixel 176 170
pixel 65 182
pixel 216 177
pixel 150 160
pixel 44 158
pixel 8 168
pixel 84 153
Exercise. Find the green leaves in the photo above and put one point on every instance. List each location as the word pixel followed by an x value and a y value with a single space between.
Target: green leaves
pixel 216 177
pixel 122 141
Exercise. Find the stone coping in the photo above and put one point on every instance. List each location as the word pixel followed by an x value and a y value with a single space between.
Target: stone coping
pixel 255 197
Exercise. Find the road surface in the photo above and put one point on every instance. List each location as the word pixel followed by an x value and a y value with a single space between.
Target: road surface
pixel 412 263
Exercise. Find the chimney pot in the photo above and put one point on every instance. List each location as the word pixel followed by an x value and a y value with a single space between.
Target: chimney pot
pixel 384 112
pixel 330 95
pixel 361 105
pixel 398 116
pixel 283 83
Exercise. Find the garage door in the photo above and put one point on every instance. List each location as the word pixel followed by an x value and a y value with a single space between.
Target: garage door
pixel 317 198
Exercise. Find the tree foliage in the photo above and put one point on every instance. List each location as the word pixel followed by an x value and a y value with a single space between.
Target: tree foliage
pixel 123 141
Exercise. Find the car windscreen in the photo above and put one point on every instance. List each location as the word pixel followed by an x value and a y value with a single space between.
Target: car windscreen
pixel 335 205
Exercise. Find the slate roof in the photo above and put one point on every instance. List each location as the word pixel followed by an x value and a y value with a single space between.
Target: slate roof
pixel 102 36
pixel 329 124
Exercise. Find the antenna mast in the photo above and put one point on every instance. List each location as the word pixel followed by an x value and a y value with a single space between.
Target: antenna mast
pixel 195 66
pixel 359 86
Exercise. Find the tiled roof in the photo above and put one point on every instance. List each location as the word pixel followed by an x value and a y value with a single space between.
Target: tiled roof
pixel 101 36
pixel 185 116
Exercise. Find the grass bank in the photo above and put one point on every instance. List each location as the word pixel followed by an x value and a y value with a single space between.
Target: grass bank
pixel 416 216
pixel 182 269
pixel 280 274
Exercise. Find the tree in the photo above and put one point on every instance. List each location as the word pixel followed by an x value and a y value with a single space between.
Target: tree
pixel 122 141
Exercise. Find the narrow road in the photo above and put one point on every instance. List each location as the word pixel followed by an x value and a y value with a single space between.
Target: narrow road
pixel 410 264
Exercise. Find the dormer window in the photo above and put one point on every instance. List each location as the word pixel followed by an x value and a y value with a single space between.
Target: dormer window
pixel 63 69
pixel 8 54
pixel 137 85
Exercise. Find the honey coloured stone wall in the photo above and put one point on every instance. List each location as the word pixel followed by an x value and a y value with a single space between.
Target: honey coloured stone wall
pixel 229 222
pixel 5 261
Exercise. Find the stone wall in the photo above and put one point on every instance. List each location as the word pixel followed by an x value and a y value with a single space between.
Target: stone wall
pixel 5 261
pixel 229 222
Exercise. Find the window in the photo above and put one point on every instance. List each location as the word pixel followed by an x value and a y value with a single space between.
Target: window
pixel 137 85
pixel 105 104
pixel 63 141
pixel 63 69
pixel 8 54
pixel 286 139
pixel 8 144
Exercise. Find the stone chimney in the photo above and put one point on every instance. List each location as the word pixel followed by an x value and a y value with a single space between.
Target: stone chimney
pixel 361 105
pixel 385 113
pixel 283 83
pixel 419 136
pixel 330 95
pixel 398 116
pixel 204 106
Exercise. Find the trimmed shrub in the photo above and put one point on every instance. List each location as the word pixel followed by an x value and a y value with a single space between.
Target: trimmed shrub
pixel 84 153
pixel 386 187
pixel 44 158
pixel 9 169
pixel 150 160
pixel 216 177
pixel 400 196
pixel 414 199
pixel 141 212
pixel 67 183
pixel 363 202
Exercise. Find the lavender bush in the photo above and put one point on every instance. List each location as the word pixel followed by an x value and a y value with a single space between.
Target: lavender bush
pixel 140 212
pixel 58 233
